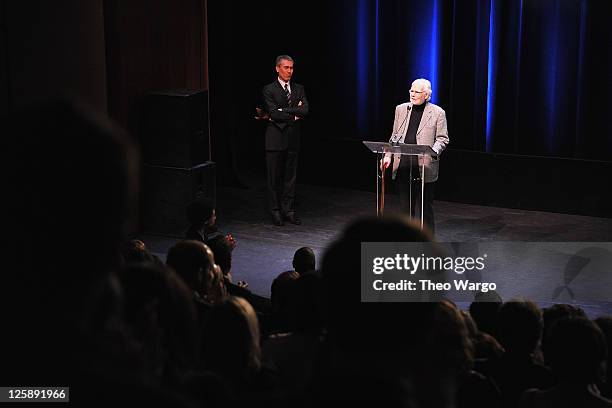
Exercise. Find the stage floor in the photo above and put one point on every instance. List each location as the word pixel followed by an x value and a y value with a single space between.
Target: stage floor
pixel 264 250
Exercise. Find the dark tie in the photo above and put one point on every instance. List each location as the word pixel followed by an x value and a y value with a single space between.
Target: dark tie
pixel 287 93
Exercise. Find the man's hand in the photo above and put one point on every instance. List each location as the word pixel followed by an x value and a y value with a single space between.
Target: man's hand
pixel 424 160
pixel 260 114
pixel 217 292
pixel 231 240
pixel 385 162
pixel 297 117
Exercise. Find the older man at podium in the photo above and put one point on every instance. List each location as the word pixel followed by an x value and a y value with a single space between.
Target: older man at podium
pixel 418 122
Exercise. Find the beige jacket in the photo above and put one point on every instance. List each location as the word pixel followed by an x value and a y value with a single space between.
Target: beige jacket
pixel 432 132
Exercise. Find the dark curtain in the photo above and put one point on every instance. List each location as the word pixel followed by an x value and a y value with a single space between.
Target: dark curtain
pixel 529 77
pixel 526 77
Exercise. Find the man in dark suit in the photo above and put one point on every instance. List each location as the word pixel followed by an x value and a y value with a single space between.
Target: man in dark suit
pixel 286 105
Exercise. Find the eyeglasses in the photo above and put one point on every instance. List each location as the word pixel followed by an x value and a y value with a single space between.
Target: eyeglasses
pixel 416 92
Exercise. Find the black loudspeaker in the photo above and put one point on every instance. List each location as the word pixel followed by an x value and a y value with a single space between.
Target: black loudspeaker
pixel 166 191
pixel 174 128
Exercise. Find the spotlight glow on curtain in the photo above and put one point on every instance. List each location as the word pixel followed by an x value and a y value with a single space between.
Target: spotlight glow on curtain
pixel 515 76
pixel 491 74
pixel 363 56
pixel 423 44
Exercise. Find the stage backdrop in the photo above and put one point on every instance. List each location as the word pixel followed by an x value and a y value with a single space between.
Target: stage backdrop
pixel 519 79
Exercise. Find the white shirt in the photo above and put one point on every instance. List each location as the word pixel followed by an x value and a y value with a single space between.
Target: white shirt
pixel 282 83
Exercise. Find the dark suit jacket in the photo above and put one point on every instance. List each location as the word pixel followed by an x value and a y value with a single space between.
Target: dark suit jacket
pixel 195 234
pixel 283 130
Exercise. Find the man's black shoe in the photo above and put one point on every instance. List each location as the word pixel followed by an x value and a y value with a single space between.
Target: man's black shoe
pixel 293 219
pixel 277 220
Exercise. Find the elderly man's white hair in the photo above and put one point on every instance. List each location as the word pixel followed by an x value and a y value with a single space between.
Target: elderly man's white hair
pixel 425 85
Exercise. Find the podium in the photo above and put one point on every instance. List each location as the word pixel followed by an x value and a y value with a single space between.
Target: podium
pixel 402 149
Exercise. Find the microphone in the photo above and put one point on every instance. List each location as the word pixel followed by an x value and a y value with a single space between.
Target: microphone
pixel 395 138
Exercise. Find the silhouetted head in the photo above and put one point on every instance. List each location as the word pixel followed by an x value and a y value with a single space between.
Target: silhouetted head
pixel 135 251
pixel 193 261
pixel 231 340
pixel 485 345
pixel 201 212
pixel 281 292
pixel 519 326
pixel 556 312
pixel 560 311
pixel 484 310
pixel 393 340
pixel 605 324
pixel 448 341
pixel 351 323
pixel 304 308
pixel 72 181
pixel 70 196
pixel 160 310
pixel 577 351
pixel 304 260
pixel 222 250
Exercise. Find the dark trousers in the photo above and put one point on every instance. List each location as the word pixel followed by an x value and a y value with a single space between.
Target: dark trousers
pixel 282 175
pixel 410 195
